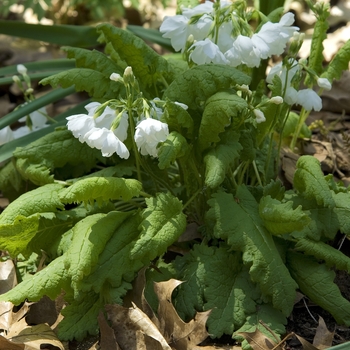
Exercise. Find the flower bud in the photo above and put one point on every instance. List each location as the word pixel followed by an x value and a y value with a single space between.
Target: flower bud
pixel 324 84
pixel 21 69
pixel 16 79
pixel 277 100
pixel 116 77
pixel 259 116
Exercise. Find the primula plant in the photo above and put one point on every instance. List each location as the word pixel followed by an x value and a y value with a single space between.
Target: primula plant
pixel 182 155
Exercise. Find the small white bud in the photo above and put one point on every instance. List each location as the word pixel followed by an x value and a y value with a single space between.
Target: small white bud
pixel 16 79
pixel 260 118
pixel 185 107
pixel 324 84
pixel 21 69
pixel 277 100
pixel 128 71
pixel 115 77
pixel 30 91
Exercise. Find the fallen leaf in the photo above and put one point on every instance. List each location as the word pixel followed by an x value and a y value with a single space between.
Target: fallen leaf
pixel 107 337
pixel 306 345
pixel 323 338
pixel 126 322
pixel 259 341
pixel 180 335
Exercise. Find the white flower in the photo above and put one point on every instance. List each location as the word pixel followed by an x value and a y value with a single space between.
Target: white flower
pixel 122 130
pixel 80 124
pixel 21 69
pixel 106 141
pixel 324 84
pixel 260 117
pixel 243 52
pixel 38 118
pixel 205 51
pixel 309 99
pixel 204 8
pixel 273 37
pixel 177 29
pixel 225 39
pixel 149 132
pixel 6 135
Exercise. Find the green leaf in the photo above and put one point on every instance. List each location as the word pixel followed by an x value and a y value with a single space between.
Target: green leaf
pixel 94 60
pixel 315 280
pixel 218 160
pixel 147 65
pixel 196 85
pixel 322 251
pixel 309 181
pixel 271 317
pixel 219 111
pixel 100 189
pixel 117 253
pixel 41 200
pixel 82 36
pixel 177 118
pixel 36 161
pixel 163 223
pixel 175 146
pixel 316 51
pixel 280 218
pixel 339 63
pixel 90 237
pixel 241 226
pixel 49 281
pixel 95 83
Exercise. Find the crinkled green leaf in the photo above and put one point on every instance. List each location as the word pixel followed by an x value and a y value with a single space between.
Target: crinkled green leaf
pixel 146 64
pixel 95 83
pixel 230 294
pixel 115 262
pixel 50 281
pixel 173 147
pixel 218 113
pixel 218 159
pixel 280 218
pixel 90 237
pixel 275 190
pixel 196 85
pixel 315 280
pixel 42 199
pixel 100 189
pixel 177 118
pixel 37 161
pixel 236 219
pixel 339 63
pixel 248 142
pixel 322 251
pixel 163 223
pixel 342 211
pixel 309 181
pixel 271 317
pixel 316 58
pixel 93 59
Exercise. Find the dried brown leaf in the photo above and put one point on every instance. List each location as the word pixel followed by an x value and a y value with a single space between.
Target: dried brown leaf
pixel 126 322
pixel 259 341
pixel 323 338
pixel 107 337
pixel 306 345
pixel 8 345
pixel 180 335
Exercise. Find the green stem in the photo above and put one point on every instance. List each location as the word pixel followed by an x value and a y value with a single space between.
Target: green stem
pixel 257 173
pixel 303 115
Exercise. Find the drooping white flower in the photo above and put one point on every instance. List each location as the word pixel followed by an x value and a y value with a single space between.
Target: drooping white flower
pixel 201 9
pixel 149 132
pixel 225 39
pixel 38 118
pixel 6 135
pixel 80 124
pixel 106 141
pixel 273 37
pixel 260 117
pixel 324 84
pixel 309 99
pixel 243 52
pixel 122 130
pixel 205 51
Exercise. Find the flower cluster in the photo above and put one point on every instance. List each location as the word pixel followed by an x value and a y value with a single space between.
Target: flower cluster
pixel 211 28
pixel 106 128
